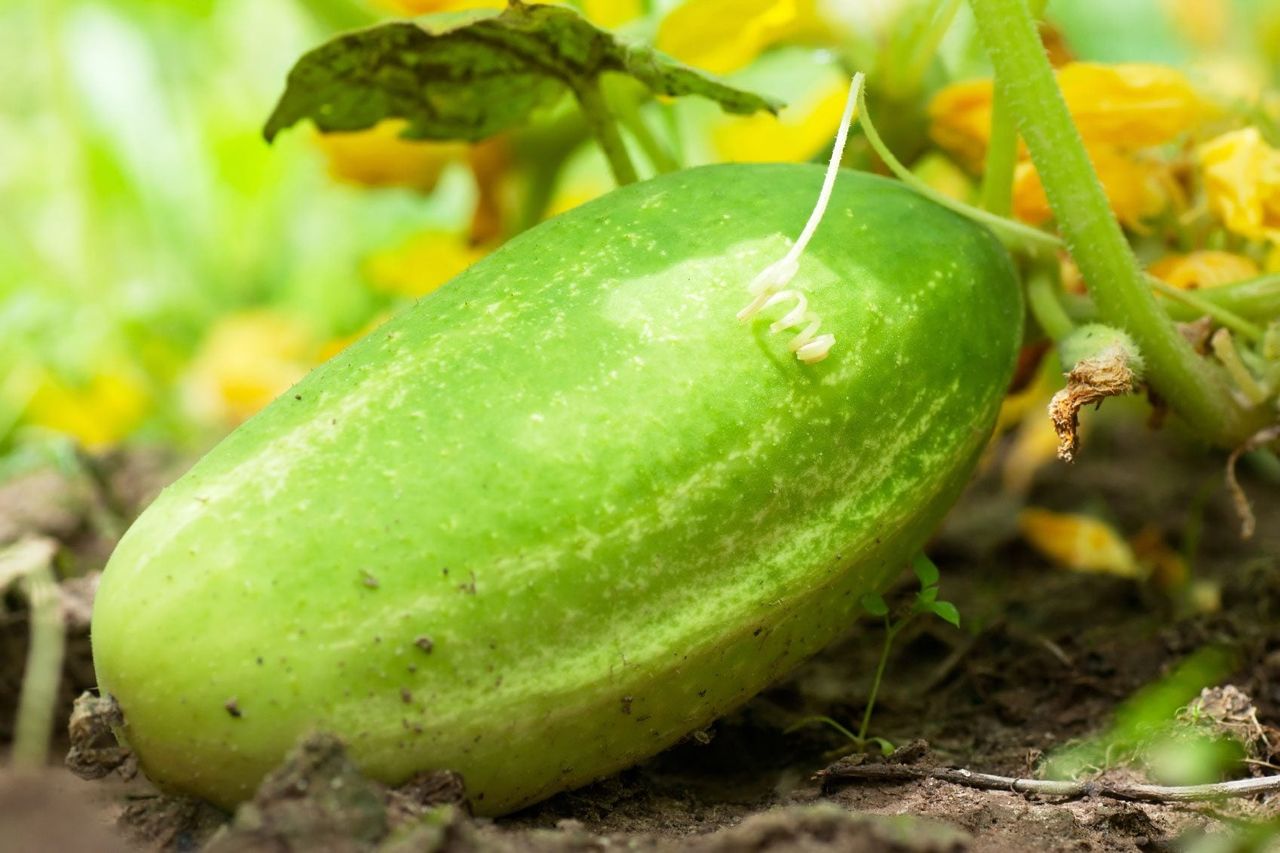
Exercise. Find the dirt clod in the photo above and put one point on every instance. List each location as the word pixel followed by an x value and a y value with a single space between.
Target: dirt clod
pixel 94 750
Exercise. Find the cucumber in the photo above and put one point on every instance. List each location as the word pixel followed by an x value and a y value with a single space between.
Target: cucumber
pixel 566 510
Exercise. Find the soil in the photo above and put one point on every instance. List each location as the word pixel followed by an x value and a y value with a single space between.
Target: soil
pixel 1044 658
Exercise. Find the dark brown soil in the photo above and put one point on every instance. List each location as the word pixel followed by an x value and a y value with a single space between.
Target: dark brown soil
pixel 1044 657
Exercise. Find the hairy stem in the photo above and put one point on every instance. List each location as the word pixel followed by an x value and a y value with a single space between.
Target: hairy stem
pixel 1024 79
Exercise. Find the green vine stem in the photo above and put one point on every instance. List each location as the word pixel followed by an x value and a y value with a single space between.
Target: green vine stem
pixel 1256 298
pixel 600 120
pixel 631 119
pixel 1046 307
pixel 996 194
pixel 1192 386
pixel 1015 235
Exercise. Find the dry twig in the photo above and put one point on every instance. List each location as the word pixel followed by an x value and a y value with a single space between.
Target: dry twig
pixel 850 772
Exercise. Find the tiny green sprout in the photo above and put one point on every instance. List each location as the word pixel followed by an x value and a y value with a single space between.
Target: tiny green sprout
pixel 925 601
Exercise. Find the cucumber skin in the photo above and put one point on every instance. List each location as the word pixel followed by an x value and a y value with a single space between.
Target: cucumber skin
pixel 615 512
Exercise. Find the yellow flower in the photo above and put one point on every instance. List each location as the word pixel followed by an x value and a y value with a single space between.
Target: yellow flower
pixel 421 264
pixel 379 157
pixel 1204 269
pixel 1133 105
pixel 98 414
pixel 1078 542
pixel 725 35
pixel 611 13
pixel 246 361
pixel 429 7
pixel 1137 187
pixel 796 134
pixel 1242 179
pixel 1119 110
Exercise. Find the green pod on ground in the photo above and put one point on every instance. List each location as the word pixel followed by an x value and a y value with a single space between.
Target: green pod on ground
pixel 567 509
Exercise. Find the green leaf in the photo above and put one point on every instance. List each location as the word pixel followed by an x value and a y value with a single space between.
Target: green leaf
pixel 925 570
pixel 874 604
pixel 928 595
pixel 472 77
pixel 946 611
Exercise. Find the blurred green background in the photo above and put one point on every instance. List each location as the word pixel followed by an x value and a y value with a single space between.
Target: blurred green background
pixel 163 271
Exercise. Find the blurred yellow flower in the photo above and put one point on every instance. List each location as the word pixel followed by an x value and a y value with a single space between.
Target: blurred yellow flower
pixel 1208 268
pixel 379 157
pixel 611 13
pixel 1205 23
pixel 724 35
pixel 421 264
pixel 1118 109
pixel 1136 186
pixel 1078 542
pixel 98 414
pixel 1242 179
pixel 796 134
pixel 247 360
pixel 429 7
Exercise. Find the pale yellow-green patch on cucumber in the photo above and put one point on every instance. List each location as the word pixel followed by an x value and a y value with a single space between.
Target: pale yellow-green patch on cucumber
pixel 567 509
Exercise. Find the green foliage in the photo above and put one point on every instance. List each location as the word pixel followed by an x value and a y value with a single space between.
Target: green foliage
pixel 470 81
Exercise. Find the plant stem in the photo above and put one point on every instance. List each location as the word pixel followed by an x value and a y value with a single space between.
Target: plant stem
pixel 1257 299
pixel 1201 307
pixel 1042 299
pixel 996 194
pixel 1024 79
pixel 34 723
pixel 1015 235
pixel 602 125
pixel 658 156
pixel 890 631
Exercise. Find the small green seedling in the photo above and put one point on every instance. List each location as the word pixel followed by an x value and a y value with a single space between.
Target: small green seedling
pixel 925 601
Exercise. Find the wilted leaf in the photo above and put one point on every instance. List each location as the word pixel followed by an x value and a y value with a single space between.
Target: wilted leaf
pixel 1079 542
pixel 473 80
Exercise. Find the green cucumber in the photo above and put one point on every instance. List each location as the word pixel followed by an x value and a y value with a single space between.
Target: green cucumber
pixel 567 509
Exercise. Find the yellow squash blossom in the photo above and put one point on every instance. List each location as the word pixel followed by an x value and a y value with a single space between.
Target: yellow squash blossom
pixel 246 361
pixel 421 264
pixel 1242 180
pixel 1137 187
pixel 724 35
pixel 1119 110
pixel 1079 542
pixel 1126 106
pixel 380 157
pixel 1208 268
pixel 796 134
pixel 98 414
